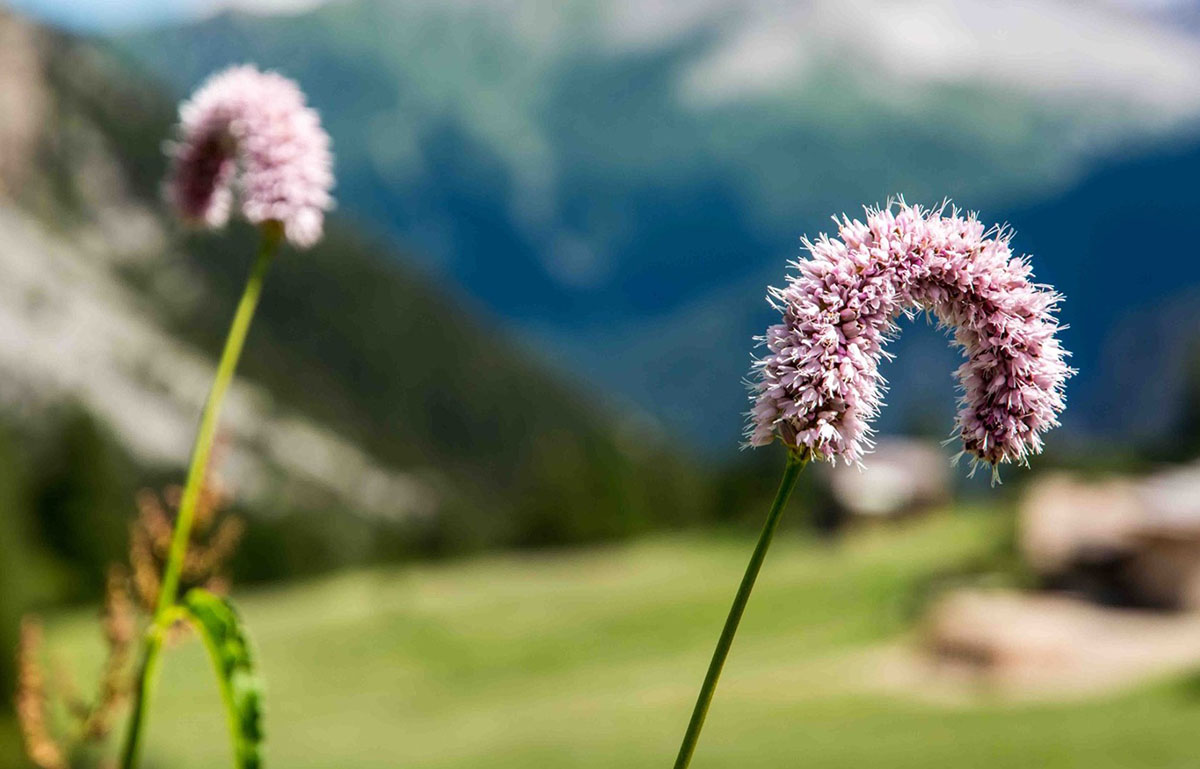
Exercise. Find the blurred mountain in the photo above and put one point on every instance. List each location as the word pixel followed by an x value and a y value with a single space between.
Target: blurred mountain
pixel 619 181
pixel 369 394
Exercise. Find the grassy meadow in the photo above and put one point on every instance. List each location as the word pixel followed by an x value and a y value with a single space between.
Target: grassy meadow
pixel 592 658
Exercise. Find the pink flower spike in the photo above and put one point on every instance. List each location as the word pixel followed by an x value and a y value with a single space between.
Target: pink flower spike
pixel 819 387
pixel 248 136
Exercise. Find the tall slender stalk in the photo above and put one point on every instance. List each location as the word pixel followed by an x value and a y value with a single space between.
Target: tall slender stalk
pixel 165 612
pixel 795 463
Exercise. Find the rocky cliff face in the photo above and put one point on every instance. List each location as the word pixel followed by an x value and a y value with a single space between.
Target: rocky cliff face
pixel 22 102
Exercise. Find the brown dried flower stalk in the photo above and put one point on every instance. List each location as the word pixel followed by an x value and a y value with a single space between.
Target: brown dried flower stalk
pixel 93 720
pixel 120 629
pixel 32 701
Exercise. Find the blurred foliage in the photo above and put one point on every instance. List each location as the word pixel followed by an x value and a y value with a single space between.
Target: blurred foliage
pixel 744 490
pixel 16 575
pixel 82 501
pixel 66 501
pixel 349 336
pixel 1185 438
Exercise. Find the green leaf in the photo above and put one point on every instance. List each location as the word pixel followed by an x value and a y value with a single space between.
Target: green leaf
pixel 221 627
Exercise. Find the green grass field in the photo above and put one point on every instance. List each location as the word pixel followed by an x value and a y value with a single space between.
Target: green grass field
pixel 592 659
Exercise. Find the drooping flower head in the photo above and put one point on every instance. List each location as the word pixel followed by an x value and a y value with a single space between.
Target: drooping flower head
pixel 247 137
pixel 819 387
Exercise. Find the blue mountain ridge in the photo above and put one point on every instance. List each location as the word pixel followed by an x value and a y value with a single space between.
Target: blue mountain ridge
pixel 641 265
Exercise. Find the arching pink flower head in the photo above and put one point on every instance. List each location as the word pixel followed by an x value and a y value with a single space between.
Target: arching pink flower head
pixel 247 136
pixel 819 387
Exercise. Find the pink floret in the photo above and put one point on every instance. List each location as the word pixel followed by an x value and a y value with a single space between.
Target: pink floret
pixel 248 136
pixel 819 387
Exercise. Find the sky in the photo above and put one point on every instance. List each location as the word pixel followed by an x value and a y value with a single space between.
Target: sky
pixel 107 15
pixel 114 14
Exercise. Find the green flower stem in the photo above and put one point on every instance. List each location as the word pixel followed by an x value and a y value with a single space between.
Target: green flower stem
pixel 795 463
pixel 164 613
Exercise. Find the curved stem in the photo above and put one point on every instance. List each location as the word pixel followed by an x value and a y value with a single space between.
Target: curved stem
pixel 231 711
pixel 164 614
pixel 795 463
